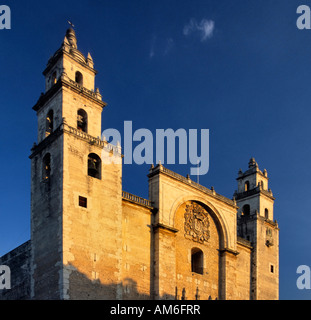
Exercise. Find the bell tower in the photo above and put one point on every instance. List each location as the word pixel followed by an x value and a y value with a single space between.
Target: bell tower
pixel 76 195
pixel 75 74
pixel 255 223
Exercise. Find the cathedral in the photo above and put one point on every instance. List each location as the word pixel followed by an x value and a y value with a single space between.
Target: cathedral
pixel 92 240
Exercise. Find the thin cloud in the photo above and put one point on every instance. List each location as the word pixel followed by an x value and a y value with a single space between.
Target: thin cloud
pixel 160 46
pixel 169 46
pixel 151 52
pixel 205 28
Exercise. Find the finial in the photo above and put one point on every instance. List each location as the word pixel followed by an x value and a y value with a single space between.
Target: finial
pixel 89 56
pixel 71 37
pixel 252 163
pixel 71 23
pixel 234 200
pixel 89 60
pixel 197 296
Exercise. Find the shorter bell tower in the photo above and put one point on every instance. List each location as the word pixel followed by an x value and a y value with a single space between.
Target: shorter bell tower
pixel 255 223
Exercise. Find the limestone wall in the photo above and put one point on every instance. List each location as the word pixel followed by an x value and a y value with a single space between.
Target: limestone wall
pixel 92 236
pixel 18 260
pixel 137 251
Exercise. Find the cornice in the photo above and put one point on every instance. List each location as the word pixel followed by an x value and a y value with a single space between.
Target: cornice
pixel 160 169
pixel 64 81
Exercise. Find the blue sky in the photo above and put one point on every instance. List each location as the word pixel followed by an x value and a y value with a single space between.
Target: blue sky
pixel 241 69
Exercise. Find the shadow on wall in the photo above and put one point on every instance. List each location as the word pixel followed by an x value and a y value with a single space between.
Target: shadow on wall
pixel 81 287
pixel 18 260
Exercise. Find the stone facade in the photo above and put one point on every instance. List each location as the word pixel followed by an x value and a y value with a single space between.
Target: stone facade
pixel 91 240
pixel 19 262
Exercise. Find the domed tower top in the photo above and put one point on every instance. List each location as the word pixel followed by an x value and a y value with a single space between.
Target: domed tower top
pixel 69 62
pixel 71 37
pixel 252 163
pixel 70 84
pixel 253 178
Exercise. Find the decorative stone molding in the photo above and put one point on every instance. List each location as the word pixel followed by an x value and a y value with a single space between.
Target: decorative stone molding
pixel 196 224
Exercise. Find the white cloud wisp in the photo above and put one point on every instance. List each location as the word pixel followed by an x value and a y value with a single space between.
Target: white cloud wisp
pixel 204 27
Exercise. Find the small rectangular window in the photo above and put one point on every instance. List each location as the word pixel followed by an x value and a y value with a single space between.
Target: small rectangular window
pixel 82 202
pixel 271 268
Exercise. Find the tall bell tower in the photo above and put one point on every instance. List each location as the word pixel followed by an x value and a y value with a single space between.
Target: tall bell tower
pixel 255 223
pixel 76 194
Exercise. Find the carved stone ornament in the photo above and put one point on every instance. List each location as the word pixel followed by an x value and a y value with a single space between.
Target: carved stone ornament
pixel 269 237
pixel 196 223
